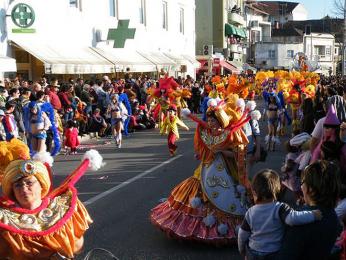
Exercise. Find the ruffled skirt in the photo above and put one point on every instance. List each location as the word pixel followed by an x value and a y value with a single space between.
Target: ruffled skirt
pixel 187 214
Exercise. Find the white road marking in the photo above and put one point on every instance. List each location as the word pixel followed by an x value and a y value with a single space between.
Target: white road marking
pixel 129 181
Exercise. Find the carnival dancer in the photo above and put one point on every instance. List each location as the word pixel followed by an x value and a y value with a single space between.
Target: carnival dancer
pixel 39 118
pixel 209 206
pixel 295 101
pixel 122 98
pixel 37 221
pixel 170 127
pixel 39 125
pixel 273 119
pixel 116 120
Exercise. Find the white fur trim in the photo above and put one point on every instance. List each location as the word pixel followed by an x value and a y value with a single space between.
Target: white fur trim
pixel 95 159
pixel 212 102
pixel 222 229
pixel 44 157
pixel 185 112
pixel 240 103
pixel 195 202
pixel 218 100
pixel 255 115
pixel 251 105
pixel 298 140
pixel 209 220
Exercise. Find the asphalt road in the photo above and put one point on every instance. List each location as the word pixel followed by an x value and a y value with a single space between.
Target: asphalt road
pixel 119 197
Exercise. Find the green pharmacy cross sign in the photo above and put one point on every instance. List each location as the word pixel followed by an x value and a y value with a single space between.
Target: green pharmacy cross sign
pixel 121 34
pixel 23 15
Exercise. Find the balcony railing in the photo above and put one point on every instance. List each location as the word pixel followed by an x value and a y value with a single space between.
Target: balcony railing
pixel 236 18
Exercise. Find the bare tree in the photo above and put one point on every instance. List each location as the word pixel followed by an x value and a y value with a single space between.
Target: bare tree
pixel 339 8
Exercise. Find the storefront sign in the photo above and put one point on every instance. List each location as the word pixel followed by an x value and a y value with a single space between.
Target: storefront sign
pixel 23 16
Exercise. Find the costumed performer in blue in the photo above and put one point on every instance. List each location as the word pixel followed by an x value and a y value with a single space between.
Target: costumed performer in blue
pixel 123 98
pixel 38 119
pixel 273 113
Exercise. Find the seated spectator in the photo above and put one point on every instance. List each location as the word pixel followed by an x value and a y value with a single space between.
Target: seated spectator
pixel 98 124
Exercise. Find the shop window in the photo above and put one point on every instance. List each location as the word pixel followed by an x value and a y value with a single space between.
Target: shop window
pixel 290 53
pixel 271 54
pixel 181 25
pixel 142 18
pixel 76 4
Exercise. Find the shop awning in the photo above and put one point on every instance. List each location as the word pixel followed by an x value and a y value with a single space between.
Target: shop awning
pixel 157 58
pixel 229 67
pixel 7 64
pixel 236 64
pixel 235 31
pixel 67 59
pixel 193 60
pixel 183 59
pixel 177 58
pixel 248 67
pixel 125 60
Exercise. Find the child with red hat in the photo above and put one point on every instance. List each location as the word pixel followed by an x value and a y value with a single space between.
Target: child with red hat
pixel 170 127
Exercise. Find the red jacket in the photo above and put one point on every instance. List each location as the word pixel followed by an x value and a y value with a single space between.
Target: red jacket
pixel 54 99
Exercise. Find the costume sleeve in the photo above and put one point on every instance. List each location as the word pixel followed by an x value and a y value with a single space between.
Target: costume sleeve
pixel 163 129
pixel 292 217
pixel 180 123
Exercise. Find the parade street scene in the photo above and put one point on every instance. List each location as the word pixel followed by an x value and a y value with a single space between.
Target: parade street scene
pixel 172 130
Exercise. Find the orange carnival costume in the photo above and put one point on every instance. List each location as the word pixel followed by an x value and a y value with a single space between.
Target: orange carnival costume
pixel 55 226
pixel 208 206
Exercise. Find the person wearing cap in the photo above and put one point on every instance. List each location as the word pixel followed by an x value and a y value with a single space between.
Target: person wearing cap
pixel 52 92
pixel 45 222
pixel 331 125
pixel 170 127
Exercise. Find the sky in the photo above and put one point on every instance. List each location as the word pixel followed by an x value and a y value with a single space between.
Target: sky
pixel 317 8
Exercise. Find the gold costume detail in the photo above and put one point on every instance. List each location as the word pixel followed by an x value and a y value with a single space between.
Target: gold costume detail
pixel 40 221
pixel 210 140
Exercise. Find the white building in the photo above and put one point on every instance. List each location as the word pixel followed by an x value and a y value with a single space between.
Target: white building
pixel 276 55
pixel 259 26
pixel 74 37
pixel 284 45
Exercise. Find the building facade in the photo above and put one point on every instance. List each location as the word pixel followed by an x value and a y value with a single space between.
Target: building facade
pixel 220 35
pixel 285 44
pixel 94 37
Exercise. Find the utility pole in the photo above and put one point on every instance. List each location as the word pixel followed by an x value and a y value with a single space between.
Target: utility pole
pixel 344 42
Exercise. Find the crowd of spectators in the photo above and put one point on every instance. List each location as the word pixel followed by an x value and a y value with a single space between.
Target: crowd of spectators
pixel 95 107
